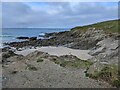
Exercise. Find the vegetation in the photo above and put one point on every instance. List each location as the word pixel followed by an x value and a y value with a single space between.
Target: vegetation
pixel 109 26
pixel 116 83
pixel 108 73
pixel 77 63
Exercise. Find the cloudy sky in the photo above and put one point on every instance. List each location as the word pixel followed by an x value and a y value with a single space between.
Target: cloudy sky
pixel 56 14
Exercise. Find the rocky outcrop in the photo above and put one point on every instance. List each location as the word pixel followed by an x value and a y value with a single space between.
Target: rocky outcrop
pixel 106 51
pixel 106 56
pixel 22 37
pixel 8 56
pixel 86 40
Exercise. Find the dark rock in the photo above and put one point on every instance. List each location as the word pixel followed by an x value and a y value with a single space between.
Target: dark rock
pixel 47 35
pixel 75 39
pixel 22 37
pixel 5 49
pixel 32 38
pixel 7 54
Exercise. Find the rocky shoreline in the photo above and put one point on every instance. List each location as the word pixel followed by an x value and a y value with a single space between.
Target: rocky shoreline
pixel 103 66
pixel 73 39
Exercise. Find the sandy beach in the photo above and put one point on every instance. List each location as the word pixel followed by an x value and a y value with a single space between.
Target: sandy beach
pixel 58 51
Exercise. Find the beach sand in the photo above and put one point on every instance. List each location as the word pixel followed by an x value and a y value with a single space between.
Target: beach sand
pixel 58 51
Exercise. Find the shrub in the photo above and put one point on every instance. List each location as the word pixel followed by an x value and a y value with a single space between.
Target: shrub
pixel 109 74
pixel 116 83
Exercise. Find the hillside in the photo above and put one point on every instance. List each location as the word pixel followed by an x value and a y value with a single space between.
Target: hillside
pixel 109 26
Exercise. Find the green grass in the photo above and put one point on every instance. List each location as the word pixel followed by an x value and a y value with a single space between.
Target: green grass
pixel 116 83
pixel 108 26
pixel 108 73
pixel 75 63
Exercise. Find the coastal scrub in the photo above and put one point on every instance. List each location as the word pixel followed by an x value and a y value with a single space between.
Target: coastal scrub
pixel 108 73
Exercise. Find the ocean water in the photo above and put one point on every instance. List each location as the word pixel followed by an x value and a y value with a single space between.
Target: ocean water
pixel 10 34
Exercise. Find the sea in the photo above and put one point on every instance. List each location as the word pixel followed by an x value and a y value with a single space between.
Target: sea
pixel 9 34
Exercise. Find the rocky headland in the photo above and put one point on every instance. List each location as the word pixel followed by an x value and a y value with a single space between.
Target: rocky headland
pixel 40 69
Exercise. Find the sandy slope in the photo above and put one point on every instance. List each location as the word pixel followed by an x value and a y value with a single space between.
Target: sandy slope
pixel 58 51
pixel 48 75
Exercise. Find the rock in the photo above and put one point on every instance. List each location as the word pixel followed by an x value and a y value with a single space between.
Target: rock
pixel 84 43
pixel 73 39
pixel 106 51
pixel 22 37
pixel 47 35
pixel 5 49
pixel 6 55
pixel 32 38
pixel 16 58
pixel 97 51
pixel 114 45
pixel 37 55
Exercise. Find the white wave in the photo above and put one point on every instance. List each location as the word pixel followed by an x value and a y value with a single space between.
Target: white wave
pixel 41 34
pixel 6 36
pixel 1 45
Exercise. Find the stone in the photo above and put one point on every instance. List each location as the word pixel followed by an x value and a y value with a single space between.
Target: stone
pixel 97 51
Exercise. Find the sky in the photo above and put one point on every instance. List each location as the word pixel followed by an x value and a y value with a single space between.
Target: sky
pixel 56 14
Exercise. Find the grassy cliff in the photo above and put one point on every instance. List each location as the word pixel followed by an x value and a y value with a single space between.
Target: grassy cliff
pixel 109 26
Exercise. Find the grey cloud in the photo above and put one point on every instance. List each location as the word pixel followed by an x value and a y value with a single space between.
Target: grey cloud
pixel 56 14
pixel 14 14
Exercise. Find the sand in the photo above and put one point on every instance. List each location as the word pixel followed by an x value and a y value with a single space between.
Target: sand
pixel 48 75
pixel 58 51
